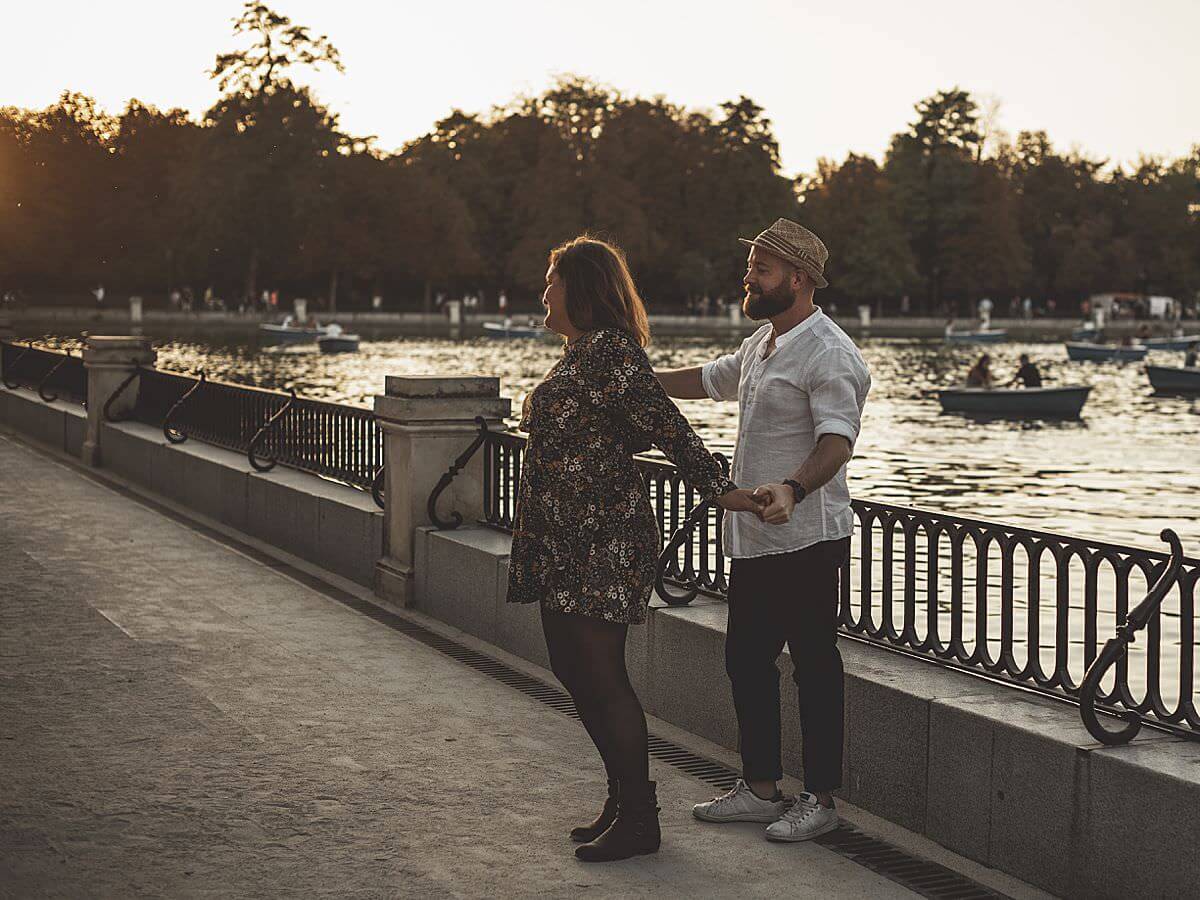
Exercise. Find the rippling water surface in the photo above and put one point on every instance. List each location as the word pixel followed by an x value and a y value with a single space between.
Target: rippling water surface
pixel 1130 467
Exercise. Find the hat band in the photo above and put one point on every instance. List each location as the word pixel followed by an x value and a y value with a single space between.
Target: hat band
pixel 771 242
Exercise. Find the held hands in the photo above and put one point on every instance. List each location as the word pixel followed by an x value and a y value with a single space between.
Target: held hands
pixel 777 501
pixel 772 503
pixel 742 500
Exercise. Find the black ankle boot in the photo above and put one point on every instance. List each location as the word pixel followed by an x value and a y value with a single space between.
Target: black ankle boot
pixel 635 830
pixel 585 833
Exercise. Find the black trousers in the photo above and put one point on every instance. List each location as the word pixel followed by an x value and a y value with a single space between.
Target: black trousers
pixel 788 598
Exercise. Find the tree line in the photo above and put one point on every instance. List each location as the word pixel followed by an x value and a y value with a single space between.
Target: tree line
pixel 265 190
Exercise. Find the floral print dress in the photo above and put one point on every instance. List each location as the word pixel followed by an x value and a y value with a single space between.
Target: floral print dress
pixel 586 539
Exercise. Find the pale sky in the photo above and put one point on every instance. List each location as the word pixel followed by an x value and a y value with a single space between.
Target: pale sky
pixel 1112 77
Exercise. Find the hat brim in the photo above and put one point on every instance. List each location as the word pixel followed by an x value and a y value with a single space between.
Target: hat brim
pixel 816 276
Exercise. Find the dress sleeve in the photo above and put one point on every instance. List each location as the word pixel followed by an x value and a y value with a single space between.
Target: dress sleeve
pixel 623 384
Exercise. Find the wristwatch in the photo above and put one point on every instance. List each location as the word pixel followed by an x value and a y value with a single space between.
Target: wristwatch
pixel 798 490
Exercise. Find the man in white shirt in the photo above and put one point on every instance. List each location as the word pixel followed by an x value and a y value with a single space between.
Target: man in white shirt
pixel 801 385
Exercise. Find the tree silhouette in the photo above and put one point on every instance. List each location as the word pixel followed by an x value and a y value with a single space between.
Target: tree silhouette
pixel 278 46
pixel 266 189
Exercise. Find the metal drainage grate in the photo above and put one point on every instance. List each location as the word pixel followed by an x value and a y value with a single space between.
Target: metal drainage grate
pixel 929 879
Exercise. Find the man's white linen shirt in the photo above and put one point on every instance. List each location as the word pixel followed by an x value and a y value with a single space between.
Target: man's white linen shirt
pixel 813 383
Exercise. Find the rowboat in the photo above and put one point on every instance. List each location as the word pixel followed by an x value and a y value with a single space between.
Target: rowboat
pixel 288 334
pixel 1180 342
pixel 989 336
pixel 500 330
pixel 1085 352
pixel 1174 380
pixel 338 343
pixel 1045 402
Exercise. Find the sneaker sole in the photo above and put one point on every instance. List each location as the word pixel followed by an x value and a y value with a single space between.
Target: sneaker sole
pixel 808 837
pixel 742 817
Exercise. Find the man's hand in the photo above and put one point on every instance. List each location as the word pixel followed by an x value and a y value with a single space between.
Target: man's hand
pixel 778 502
pixel 741 500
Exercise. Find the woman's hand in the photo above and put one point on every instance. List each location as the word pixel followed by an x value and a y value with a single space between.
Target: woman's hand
pixel 742 500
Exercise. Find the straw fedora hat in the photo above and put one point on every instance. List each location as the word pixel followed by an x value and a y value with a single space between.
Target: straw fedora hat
pixel 794 243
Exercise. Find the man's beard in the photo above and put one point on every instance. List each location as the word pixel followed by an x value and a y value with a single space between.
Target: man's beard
pixel 765 304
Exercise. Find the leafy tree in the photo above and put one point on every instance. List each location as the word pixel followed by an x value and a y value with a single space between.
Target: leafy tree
pixel 278 47
pixel 265 160
pixel 853 208
pixel 932 166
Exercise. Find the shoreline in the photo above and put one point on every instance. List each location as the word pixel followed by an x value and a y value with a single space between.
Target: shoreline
pixel 83 319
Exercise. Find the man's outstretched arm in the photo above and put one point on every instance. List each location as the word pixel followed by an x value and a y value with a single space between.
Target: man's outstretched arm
pixel 683 384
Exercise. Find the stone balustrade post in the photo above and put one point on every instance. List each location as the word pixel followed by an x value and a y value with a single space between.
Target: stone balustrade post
pixel 427 422
pixel 109 361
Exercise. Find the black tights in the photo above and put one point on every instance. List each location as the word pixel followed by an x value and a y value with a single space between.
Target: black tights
pixel 588 657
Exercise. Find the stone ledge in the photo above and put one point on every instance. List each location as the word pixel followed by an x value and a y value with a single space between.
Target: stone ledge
pixel 331 525
pixel 60 424
pixel 1001 775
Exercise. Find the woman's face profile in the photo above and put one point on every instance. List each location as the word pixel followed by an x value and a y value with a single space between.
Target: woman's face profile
pixel 554 298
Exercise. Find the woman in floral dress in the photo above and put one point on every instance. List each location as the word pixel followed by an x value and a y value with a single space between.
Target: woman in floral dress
pixel 586 540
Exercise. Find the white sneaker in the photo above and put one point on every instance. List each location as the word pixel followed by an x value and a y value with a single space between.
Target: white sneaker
pixel 805 820
pixel 741 805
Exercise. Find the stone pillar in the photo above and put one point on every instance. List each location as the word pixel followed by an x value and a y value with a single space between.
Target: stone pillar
pixel 427 422
pixel 109 361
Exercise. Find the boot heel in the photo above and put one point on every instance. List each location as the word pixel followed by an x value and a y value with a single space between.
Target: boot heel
pixel 585 834
pixel 635 832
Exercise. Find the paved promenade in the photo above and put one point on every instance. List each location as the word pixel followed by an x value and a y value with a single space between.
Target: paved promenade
pixel 179 718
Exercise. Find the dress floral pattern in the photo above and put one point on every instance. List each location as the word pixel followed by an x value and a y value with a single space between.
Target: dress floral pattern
pixel 586 540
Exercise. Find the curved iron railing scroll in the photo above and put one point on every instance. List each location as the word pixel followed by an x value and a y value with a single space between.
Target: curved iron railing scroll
pixel 261 435
pixel 678 539
pixel 109 415
pixel 1117 646
pixel 456 518
pixel 46 396
pixel 11 368
pixel 170 432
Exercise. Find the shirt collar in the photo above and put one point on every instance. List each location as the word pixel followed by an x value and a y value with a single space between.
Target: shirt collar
pixel 796 331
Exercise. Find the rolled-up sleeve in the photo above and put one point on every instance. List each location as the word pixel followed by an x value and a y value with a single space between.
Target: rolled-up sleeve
pixel 722 376
pixel 837 389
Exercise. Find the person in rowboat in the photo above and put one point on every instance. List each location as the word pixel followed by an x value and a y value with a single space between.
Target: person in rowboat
pixel 980 375
pixel 1190 358
pixel 1027 374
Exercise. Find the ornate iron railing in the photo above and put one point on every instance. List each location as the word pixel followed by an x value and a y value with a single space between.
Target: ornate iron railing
pixel 343 443
pixel 52 374
pixel 1021 606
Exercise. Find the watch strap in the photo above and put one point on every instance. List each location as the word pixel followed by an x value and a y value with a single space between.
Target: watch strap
pixel 798 490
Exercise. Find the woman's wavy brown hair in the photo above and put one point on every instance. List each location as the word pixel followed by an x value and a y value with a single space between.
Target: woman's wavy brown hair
pixel 600 289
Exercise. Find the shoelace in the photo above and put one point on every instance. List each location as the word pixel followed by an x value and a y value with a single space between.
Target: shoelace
pixel 800 811
pixel 733 794
pixel 726 797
